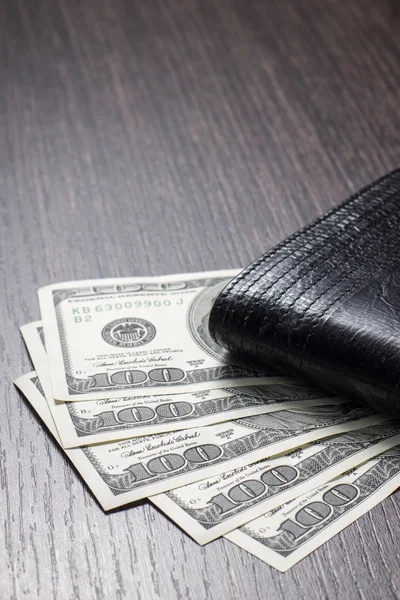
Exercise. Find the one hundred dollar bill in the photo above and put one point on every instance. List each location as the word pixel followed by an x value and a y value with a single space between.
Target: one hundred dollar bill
pixel 212 507
pixel 97 421
pixel 128 470
pixel 113 338
pixel 284 536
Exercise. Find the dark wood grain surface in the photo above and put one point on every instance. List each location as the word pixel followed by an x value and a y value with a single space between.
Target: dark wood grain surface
pixel 146 137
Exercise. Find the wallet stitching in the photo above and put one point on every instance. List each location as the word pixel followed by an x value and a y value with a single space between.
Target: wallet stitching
pixel 362 379
pixel 345 220
pixel 356 284
pixel 345 206
pixel 320 237
pixel 269 268
pixel 300 317
pixel 364 217
pixel 329 306
pixel 311 267
pixel 284 244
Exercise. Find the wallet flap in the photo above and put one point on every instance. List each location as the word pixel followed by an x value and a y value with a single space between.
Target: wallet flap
pixel 325 303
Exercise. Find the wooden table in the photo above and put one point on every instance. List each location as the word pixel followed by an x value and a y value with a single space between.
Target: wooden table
pixel 148 137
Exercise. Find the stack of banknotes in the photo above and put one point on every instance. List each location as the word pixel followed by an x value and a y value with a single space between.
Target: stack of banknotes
pixel 146 405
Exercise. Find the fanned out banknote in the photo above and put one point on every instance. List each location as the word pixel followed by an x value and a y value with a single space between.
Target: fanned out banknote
pixel 121 472
pixel 93 421
pixel 286 535
pixel 210 508
pixel 130 337
pixel 146 405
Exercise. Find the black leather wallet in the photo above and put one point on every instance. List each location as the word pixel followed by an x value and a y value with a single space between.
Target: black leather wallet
pixel 324 304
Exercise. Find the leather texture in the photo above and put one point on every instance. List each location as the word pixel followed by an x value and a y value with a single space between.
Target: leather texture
pixel 324 305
